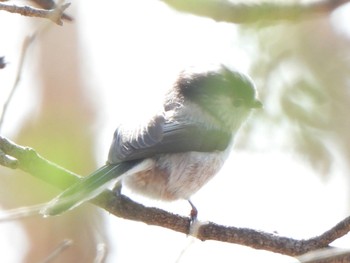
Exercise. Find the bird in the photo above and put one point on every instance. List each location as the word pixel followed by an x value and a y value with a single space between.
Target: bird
pixel 179 149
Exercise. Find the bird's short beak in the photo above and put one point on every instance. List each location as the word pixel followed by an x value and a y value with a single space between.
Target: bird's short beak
pixel 256 104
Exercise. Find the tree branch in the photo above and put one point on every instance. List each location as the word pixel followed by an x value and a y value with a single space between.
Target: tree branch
pixel 26 159
pixel 51 4
pixel 55 15
pixel 226 11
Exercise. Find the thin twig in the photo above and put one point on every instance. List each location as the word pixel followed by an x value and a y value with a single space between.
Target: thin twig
pixel 330 255
pixel 58 250
pixel 55 15
pixel 51 4
pixel 20 213
pixel 101 253
pixel 25 47
pixel 26 43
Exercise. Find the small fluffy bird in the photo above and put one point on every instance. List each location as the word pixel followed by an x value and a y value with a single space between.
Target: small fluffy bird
pixel 179 149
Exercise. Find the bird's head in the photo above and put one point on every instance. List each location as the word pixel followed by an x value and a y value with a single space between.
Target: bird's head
pixel 226 95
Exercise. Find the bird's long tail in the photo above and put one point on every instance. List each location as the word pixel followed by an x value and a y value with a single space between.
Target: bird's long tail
pixel 88 188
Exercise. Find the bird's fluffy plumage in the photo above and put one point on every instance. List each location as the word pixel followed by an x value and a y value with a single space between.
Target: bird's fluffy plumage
pixel 179 149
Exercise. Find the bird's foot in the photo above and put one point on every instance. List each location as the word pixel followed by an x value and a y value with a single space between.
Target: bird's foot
pixel 194 223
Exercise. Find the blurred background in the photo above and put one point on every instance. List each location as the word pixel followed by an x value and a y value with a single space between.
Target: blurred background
pixel 288 173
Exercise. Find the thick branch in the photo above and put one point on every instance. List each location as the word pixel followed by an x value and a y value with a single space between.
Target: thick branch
pixel 240 13
pixel 28 160
pixel 54 15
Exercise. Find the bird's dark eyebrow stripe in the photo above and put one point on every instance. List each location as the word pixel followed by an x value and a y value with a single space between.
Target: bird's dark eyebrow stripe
pixel 238 85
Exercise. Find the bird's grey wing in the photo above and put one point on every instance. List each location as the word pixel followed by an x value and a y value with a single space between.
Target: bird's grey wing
pixel 161 136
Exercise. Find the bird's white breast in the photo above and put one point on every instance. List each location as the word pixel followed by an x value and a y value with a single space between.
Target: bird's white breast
pixel 176 176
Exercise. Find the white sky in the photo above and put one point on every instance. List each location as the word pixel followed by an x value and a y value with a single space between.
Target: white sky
pixel 147 37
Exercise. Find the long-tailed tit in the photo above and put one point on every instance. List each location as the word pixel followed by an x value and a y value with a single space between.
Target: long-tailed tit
pixel 180 149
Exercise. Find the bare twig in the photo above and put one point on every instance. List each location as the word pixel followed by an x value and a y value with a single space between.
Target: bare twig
pixel 58 250
pixel 55 15
pixel 51 4
pixel 25 46
pixel 255 12
pixel 101 253
pixel 26 43
pixel 19 213
pixel 122 206
pixel 330 255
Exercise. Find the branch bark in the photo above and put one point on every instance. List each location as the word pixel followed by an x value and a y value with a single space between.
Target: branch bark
pixel 55 15
pixel 28 160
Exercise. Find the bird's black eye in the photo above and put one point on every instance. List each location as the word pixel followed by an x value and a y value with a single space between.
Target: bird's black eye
pixel 238 102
